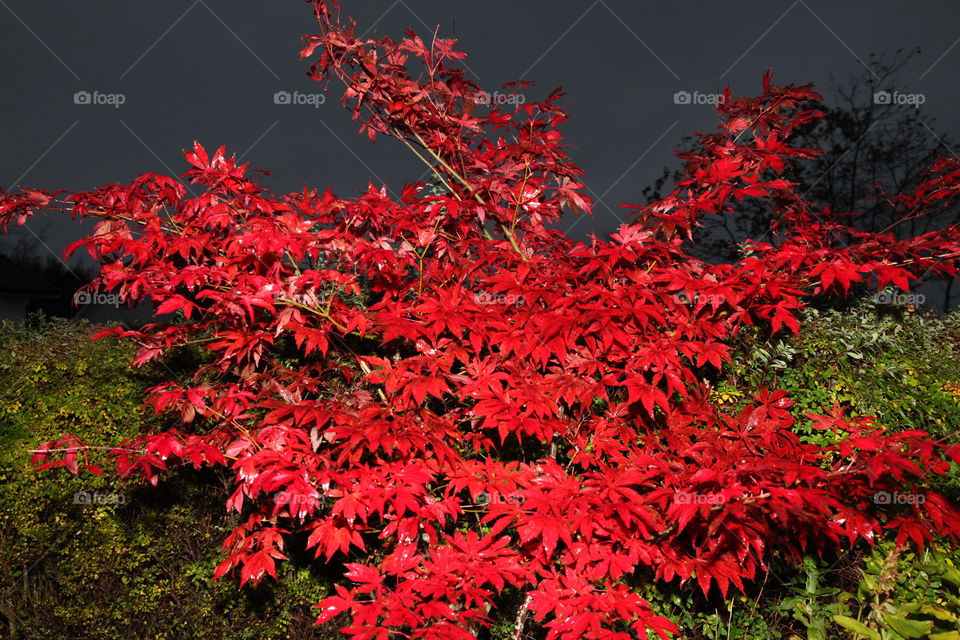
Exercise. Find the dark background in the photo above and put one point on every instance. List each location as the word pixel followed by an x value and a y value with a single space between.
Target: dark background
pixel 209 69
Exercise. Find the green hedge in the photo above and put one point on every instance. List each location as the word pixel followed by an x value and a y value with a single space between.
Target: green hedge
pixel 903 366
pixel 135 562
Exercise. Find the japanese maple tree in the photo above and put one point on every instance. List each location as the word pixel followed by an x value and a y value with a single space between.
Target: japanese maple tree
pixel 453 398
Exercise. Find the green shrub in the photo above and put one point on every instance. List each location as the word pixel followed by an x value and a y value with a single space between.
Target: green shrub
pixel 902 366
pixel 85 558
pixel 899 365
pixel 905 595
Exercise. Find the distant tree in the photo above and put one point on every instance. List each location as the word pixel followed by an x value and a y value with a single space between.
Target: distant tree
pixel 875 138
pixel 60 280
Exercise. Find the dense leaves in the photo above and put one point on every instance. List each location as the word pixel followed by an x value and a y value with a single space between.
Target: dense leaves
pixel 453 398
pixel 82 557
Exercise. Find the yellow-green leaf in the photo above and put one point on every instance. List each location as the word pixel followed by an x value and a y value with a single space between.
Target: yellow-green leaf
pixel 908 628
pixel 850 624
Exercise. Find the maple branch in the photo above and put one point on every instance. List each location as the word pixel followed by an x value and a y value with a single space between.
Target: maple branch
pixel 503 227
pixel 521 619
pixel 367 371
pixel 436 173
pixel 85 447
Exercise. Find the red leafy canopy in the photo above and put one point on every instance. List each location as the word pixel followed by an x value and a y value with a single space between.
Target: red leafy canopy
pixel 389 373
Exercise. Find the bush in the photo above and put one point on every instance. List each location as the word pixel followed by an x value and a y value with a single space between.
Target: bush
pixel 136 559
pixel 91 558
pixel 901 365
pixel 898 364
pixel 441 437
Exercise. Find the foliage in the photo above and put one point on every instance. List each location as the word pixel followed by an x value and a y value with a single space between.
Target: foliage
pixel 901 365
pixel 903 595
pixel 926 343
pixel 868 146
pixel 459 404
pixel 870 358
pixel 124 561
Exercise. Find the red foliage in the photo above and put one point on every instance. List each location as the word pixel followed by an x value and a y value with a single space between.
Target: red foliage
pixel 455 398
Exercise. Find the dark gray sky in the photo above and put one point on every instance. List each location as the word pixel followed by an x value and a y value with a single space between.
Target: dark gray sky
pixel 209 69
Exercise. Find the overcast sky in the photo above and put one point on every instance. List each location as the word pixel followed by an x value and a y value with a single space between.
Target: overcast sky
pixel 210 70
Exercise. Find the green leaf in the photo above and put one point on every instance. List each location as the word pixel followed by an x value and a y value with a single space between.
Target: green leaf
pixel 952 575
pixel 850 624
pixel 908 628
pixel 940 613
